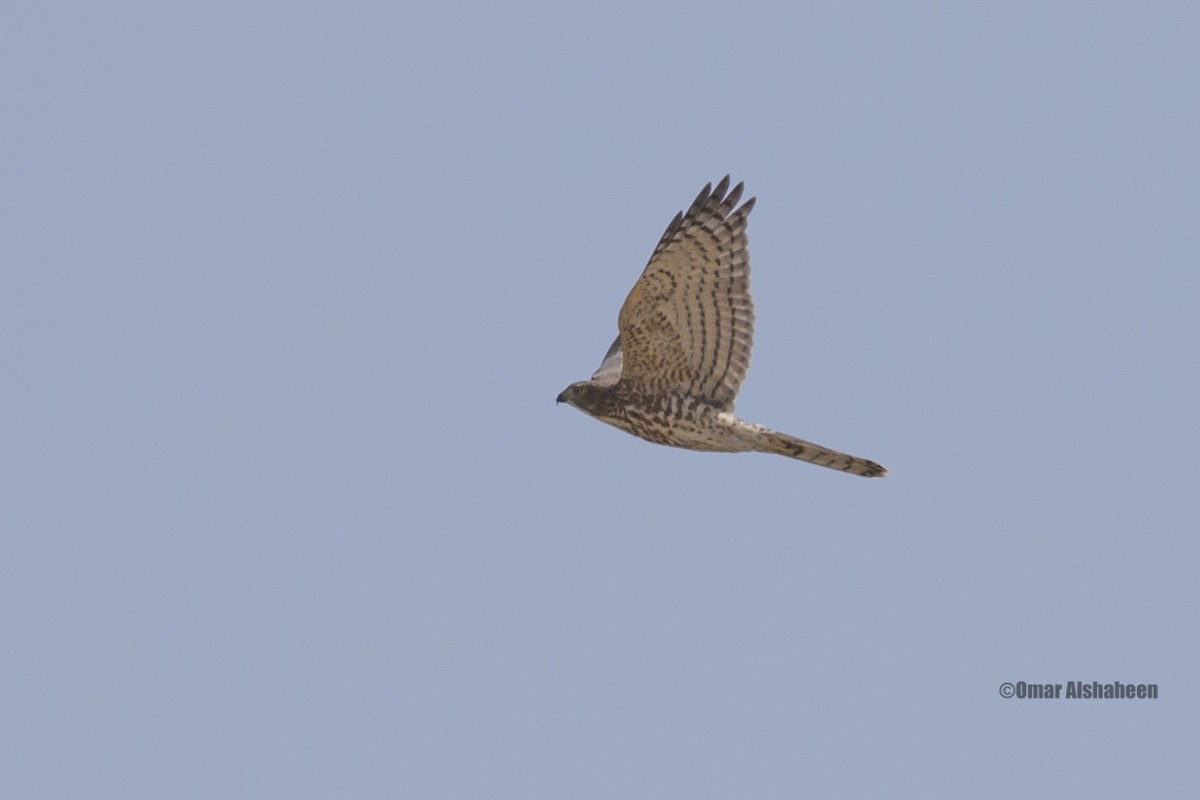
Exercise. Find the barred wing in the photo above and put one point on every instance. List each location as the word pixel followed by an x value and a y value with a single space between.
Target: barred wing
pixel 688 323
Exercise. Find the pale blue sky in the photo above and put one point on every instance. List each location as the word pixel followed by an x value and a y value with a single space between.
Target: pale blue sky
pixel 289 510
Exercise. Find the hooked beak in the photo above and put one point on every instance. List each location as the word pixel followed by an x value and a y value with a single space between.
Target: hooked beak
pixel 559 399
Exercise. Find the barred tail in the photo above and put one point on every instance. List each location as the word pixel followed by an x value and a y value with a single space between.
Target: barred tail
pixel 769 441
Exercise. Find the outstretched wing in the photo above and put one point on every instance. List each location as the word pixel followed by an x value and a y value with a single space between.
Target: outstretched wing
pixel 609 371
pixel 688 323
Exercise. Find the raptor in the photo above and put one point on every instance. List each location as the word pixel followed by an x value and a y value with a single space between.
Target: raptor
pixel 683 344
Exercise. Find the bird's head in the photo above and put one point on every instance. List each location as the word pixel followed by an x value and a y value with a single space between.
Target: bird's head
pixel 590 397
pixel 573 395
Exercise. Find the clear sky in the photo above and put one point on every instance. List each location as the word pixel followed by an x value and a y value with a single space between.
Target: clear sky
pixel 288 509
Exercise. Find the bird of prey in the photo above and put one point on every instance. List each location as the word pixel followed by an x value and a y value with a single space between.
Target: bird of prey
pixel 683 344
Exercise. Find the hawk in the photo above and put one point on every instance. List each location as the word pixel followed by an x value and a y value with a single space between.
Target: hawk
pixel 683 344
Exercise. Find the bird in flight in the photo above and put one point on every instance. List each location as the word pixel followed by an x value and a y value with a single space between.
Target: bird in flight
pixel 683 344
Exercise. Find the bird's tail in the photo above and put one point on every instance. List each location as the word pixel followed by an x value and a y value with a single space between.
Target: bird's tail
pixel 770 441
